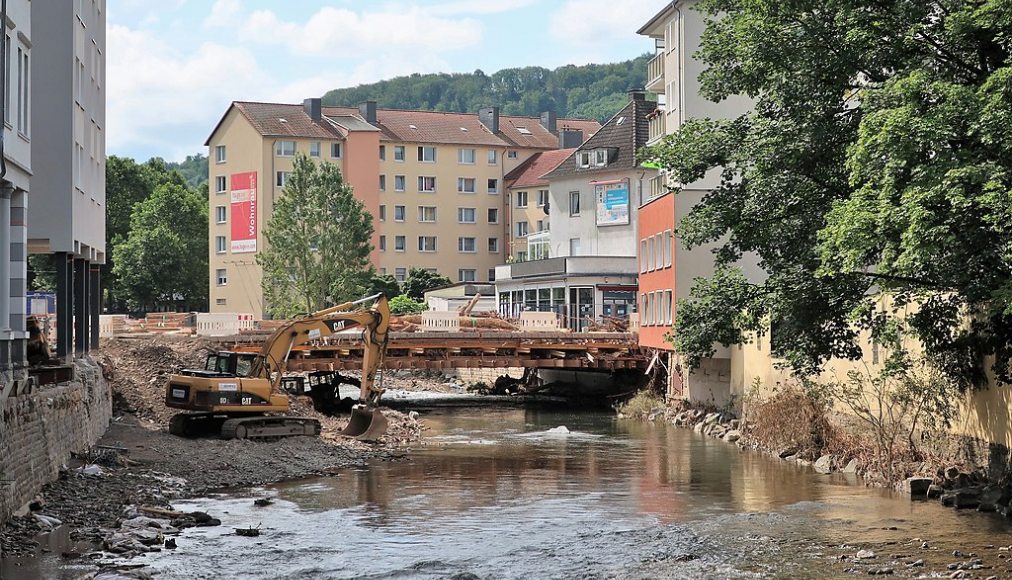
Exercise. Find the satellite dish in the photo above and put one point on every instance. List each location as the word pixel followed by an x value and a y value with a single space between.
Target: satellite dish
pixel 546 206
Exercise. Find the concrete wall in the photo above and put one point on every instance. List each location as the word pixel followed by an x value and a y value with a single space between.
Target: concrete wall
pixel 39 431
pixel 487 376
pixel 617 240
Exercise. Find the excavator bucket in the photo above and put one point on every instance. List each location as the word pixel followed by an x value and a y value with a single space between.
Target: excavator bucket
pixel 365 424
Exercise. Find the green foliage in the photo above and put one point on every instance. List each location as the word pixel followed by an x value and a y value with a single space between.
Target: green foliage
pixel 404 304
pixel 42 273
pixel 318 242
pixel 419 280
pixel 163 260
pixel 383 283
pixel 193 169
pixel 876 157
pixel 593 91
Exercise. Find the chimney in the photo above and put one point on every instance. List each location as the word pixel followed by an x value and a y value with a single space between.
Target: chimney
pixel 570 138
pixel 368 111
pixel 313 108
pixel 489 116
pixel 548 121
pixel 637 95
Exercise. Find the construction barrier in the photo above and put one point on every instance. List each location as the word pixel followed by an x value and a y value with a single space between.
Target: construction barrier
pixel 223 323
pixel 434 321
pixel 539 321
pixel 110 325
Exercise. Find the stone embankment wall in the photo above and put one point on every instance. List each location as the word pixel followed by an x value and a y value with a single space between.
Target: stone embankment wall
pixel 487 376
pixel 39 430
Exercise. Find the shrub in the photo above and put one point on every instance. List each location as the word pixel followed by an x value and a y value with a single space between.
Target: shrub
pixel 403 304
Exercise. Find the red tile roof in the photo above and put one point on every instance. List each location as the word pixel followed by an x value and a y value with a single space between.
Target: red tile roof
pixel 410 126
pixel 530 172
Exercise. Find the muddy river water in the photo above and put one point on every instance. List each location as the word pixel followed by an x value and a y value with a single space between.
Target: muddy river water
pixel 513 493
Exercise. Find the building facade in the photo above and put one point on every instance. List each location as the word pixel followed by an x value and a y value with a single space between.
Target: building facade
pixel 433 181
pixel 66 216
pixel 673 75
pixel 582 262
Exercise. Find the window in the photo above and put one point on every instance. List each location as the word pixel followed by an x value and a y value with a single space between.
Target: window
pixel 574 246
pixel 398 152
pixel 427 184
pixel 7 87
pixel 521 199
pixel 493 157
pixel 465 156
pixel 521 256
pixel 521 229
pixel 282 178
pixel 658 253
pixel 493 186
pixel 383 182
pixel 383 213
pixel 220 301
pixel 426 214
pixel 400 274
pixel 219 214
pixel 219 154
pixel 541 225
pixel 583 158
pixel 667 249
pixel 23 77
pixel 491 274
pixel 467 245
pixel 650 254
pixel 466 275
pixel 399 213
pixel 335 150
pixel 493 215
pixel 398 183
pixel 465 184
pixel 314 149
pixel 219 244
pixel 284 148
pixel 643 255
pixel 220 184
pixel 493 245
pixel 400 243
pixel 466 215
pixel 511 155
pixel 600 157
pixel 383 243
pixel 221 276
pixel 574 203
pixel 667 307
pixel 542 197
pixel 426 154
pixel 383 152
pixel 426 243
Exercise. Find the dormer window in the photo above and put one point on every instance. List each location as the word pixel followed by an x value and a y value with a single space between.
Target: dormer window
pixel 583 159
pixel 600 157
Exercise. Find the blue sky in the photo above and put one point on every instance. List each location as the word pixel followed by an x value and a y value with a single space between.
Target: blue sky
pixel 174 65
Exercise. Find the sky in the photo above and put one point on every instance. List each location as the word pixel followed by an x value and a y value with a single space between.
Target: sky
pixel 173 66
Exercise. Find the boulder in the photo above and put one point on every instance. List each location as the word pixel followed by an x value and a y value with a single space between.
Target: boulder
pixel 712 418
pixel 916 486
pixel 965 498
pixel 824 464
pixel 991 498
pixel 851 467
pixel 732 436
pixel 935 491
pixel 864 555
pixel 787 452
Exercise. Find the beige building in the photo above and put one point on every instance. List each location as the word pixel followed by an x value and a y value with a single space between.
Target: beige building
pixel 433 181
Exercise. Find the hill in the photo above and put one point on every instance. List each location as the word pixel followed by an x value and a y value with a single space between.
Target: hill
pixel 593 91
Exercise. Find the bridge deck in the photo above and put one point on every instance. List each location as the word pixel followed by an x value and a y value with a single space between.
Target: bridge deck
pixel 601 351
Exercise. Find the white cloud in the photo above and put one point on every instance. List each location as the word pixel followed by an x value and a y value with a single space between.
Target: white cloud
pixel 162 97
pixel 342 33
pixel 223 13
pixel 592 22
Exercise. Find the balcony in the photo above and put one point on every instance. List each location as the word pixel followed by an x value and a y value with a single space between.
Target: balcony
pixel 655 74
pixel 657 127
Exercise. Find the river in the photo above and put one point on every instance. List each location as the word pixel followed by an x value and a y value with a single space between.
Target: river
pixel 508 493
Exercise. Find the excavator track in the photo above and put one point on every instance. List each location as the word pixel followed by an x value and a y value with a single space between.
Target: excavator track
pixel 263 427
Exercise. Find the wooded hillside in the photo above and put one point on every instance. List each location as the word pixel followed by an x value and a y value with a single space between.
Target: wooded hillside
pixel 594 91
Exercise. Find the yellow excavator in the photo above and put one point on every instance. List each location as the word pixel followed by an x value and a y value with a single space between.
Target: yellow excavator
pixel 237 394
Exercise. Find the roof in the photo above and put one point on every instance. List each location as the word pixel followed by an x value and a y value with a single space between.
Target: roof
pixel 528 173
pixel 657 18
pixel 407 126
pixel 624 134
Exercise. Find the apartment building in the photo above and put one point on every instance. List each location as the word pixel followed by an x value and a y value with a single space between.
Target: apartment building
pixel 433 181
pixel 66 216
pixel 14 187
pixel 582 261
pixel 527 206
pixel 667 267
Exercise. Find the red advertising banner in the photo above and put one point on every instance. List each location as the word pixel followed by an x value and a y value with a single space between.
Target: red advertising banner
pixel 244 212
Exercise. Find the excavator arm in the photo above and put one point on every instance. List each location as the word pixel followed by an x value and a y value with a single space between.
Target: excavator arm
pixel 366 422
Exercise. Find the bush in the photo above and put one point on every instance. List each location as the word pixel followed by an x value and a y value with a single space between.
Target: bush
pixel 793 420
pixel 642 405
pixel 403 304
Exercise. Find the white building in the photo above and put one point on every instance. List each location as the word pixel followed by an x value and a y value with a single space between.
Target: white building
pixel 14 187
pixel 66 217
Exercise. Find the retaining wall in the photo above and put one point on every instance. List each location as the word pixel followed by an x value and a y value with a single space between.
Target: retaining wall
pixel 38 431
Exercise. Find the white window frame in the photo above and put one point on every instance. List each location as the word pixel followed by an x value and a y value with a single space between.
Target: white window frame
pixel 492 215
pixel 462 243
pixel 522 229
pixel 220 184
pixel 643 256
pixel 281 149
pixel 422 180
pixel 583 159
pixel 382 243
pixel 400 274
pixel 462 212
pixel 493 245
pixel 382 182
pixel 600 157
pixel 512 154
pixel 463 154
pixel 543 197
pixel 423 153
pixel 668 250
pixel 462 185
pixel 220 214
pixel 336 150
pixel 400 182
pixel 221 277
pixel 574 209
pixel 461 277
pixel 400 243
pixel 492 186
pixel 383 152
pixel 220 154
pixel 382 213
pixel 282 178
pixel 220 244
pixel 399 152
pixel 423 245
pixel 400 213
pixel 423 211
pixel 314 149
pixel 493 157
pixel 521 195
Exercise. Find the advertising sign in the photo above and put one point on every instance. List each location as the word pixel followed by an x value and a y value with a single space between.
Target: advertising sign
pixel 244 212
pixel 612 202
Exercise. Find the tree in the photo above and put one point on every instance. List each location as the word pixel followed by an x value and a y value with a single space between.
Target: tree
pixel 403 304
pixel 384 283
pixel 317 242
pixel 419 280
pixel 163 261
pixel 876 157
